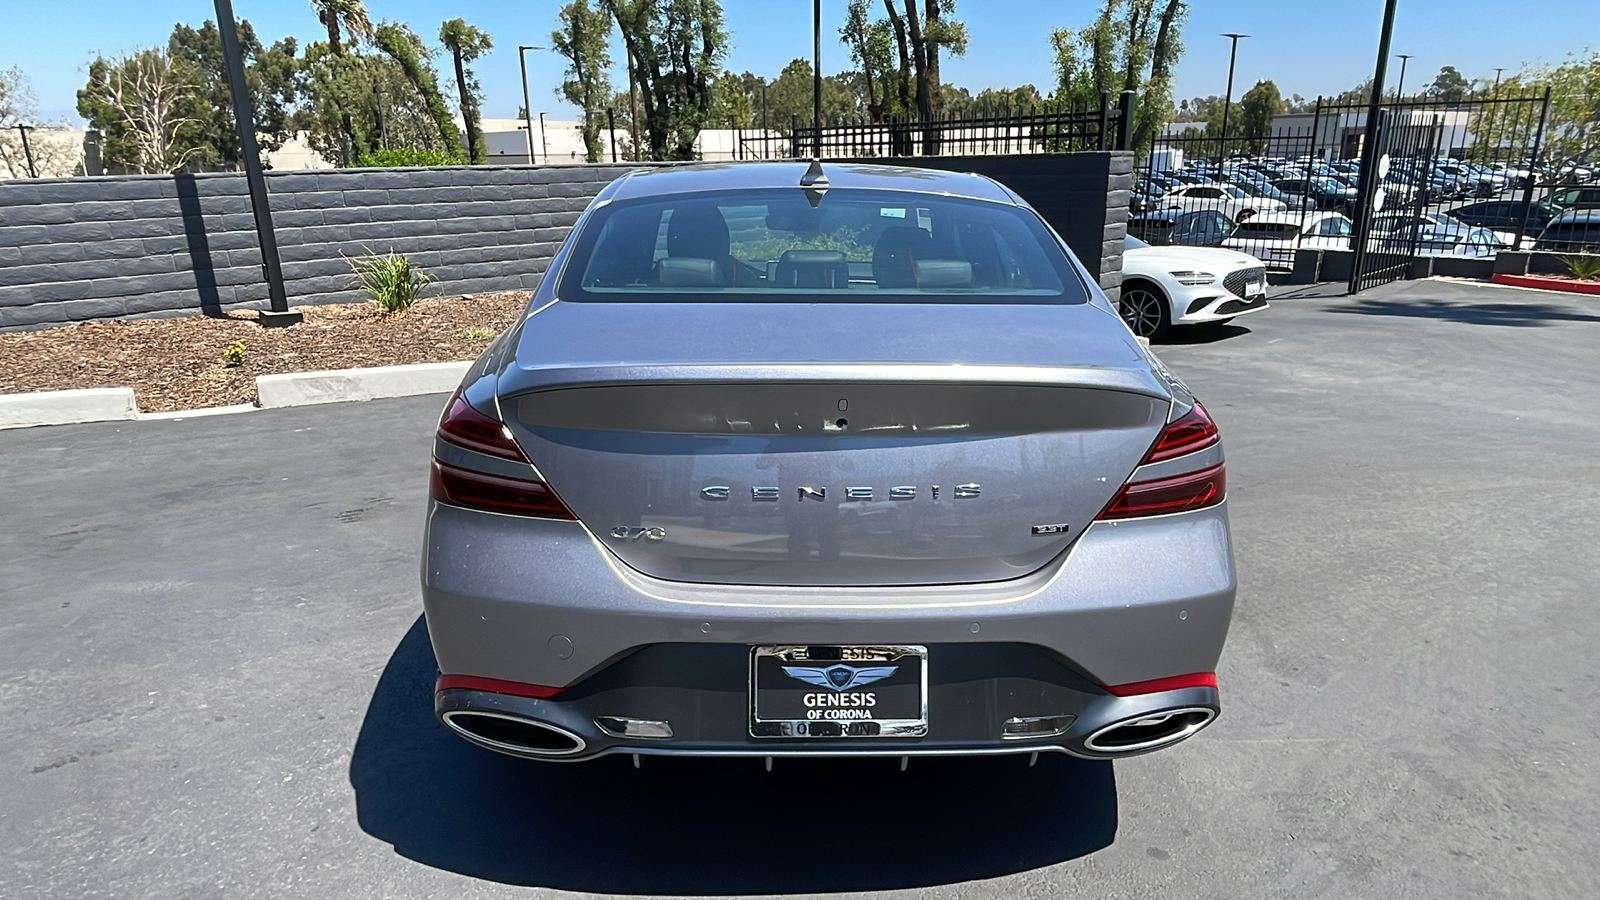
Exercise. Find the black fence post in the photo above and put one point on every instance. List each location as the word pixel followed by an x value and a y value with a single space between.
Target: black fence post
pixel 1105 119
pixel 251 155
pixel 611 121
pixel 1533 161
pixel 1125 121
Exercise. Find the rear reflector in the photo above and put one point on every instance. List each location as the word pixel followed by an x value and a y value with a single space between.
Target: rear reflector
pixel 464 426
pixel 1181 493
pixel 493 685
pixel 496 493
pixel 1157 685
pixel 1192 431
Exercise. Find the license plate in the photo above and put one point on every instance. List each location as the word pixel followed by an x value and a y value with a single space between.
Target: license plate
pixel 838 692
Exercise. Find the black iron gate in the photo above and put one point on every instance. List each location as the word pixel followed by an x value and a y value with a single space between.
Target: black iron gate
pixel 1406 145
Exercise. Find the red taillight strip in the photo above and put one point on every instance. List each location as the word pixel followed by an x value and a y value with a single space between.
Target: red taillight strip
pixel 1192 431
pixel 1157 685
pixel 496 493
pixel 464 426
pixel 494 686
pixel 1180 493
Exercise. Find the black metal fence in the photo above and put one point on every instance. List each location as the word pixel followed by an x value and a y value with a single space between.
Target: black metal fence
pixel 1047 128
pixel 1461 178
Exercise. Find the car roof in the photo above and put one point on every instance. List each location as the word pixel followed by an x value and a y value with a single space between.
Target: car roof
pixel 680 179
pixel 1288 218
pixel 1576 215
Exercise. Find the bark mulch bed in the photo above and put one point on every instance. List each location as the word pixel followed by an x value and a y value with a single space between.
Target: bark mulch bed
pixel 174 364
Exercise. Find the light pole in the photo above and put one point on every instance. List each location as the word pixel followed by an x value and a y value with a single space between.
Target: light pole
pixel 1497 71
pixel 1368 186
pixel 527 108
pixel 27 150
pixel 1227 102
pixel 271 266
pixel 816 75
pixel 1399 87
pixel 544 142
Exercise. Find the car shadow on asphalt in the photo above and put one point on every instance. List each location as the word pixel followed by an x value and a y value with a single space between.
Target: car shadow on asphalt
pixel 1519 315
pixel 709 826
pixel 1202 334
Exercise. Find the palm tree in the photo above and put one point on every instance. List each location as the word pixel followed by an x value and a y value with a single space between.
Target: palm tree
pixel 466 44
pixel 351 15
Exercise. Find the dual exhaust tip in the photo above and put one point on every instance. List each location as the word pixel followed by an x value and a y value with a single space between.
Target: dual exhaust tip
pixel 526 737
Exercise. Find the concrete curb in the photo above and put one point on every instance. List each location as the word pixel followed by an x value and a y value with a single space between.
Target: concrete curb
pixel 67 407
pixel 338 385
pixel 289 389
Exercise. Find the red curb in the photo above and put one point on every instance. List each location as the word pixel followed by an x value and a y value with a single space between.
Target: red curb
pixel 1566 285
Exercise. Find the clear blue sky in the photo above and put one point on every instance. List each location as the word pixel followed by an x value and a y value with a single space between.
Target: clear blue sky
pixel 1306 47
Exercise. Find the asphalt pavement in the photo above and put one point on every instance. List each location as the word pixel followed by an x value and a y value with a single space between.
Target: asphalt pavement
pixel 214 681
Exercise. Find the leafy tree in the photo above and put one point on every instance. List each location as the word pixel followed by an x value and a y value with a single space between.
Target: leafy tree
pixel 466 43
pixel 343 18
pixel 1572 131
pixel 1256 110
pixel 789 98
pixel 1450 85
pixel 51 158
pixel 584 38
pixel 272 78
pixel 731 106
pixel 677 47
pixel 141 103
pixel 1132 45
pixel 871 43
pixel 412 56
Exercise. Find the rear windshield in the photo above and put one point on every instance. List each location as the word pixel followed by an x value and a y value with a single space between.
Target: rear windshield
pixel 861 246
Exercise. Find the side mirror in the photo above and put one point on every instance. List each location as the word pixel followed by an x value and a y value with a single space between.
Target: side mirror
pixel 1246 214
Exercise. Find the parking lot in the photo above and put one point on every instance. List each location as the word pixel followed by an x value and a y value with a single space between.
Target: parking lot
pixel 214 681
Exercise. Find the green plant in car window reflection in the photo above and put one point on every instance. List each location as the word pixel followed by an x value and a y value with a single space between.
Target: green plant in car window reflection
pixel 770 245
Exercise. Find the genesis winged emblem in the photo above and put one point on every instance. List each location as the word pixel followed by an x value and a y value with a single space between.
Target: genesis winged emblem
pixel 839 677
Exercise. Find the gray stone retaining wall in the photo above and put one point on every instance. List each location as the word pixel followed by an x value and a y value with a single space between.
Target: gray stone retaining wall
pixel 146 245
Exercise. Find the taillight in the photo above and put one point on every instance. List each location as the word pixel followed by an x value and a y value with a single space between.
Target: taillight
pixel 1182 492
pixel 464 426
pixel 1193 431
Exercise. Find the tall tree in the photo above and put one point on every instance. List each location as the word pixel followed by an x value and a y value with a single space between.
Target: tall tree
pixel 1449 85
pixel 466 43
pixel 677 47
pixel 51 156
pixel 731 106
pixel 871 44
pixel 343 18
pixel 140 103
pixel 402 45
pixel 1256 110
pixel 1132 45
pixel 584 38
pixel 272 78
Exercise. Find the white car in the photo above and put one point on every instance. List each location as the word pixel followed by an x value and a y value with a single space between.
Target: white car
pixel 1226 198
pixel 1274 237
pixel 1167 286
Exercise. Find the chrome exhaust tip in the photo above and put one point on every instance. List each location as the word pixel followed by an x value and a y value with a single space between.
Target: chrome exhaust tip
pixel 1150 731
pixel 513 734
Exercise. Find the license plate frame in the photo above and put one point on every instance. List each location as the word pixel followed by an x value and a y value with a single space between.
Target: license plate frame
pixel 779 705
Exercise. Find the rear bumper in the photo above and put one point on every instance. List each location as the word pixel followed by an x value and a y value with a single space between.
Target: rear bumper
pixel 975 689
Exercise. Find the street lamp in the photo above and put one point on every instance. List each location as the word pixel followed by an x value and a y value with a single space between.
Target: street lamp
pixel 542 140
pixel 1399 88
pixel 1497 71
pixel 527 108
pixel 816 74
pixel 1233 55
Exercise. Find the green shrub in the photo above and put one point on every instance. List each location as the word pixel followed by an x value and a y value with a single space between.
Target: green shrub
pixel 475 333
pixel 391 279
pixel 233 354
pixel 1583 266
pixel 407 156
